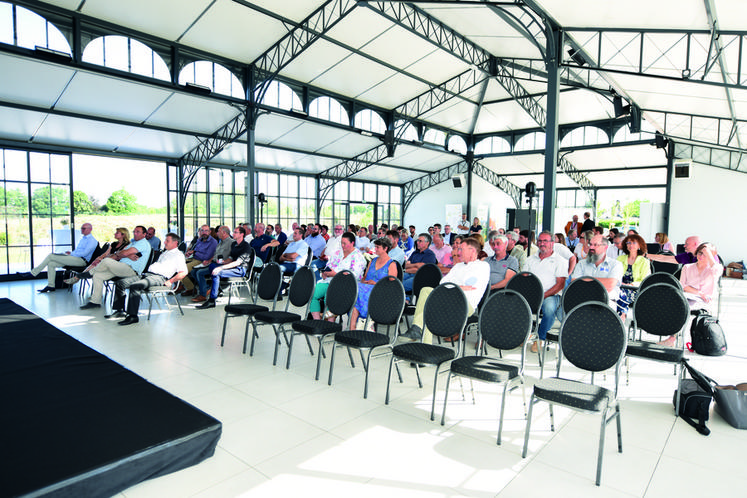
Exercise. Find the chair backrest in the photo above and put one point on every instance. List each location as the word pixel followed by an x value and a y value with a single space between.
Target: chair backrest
pixel 309 257
pixel 386 301
pixel 269 282
pixel 428 275
pixel 301 288
pixel 505 320
pixel 593 337
pixel 528 285
pixel 98 252
pixel 341 293
pixel 183 246
pixel 660 267
pixel 400 273
pixel 660 278
pixel 584 290
pixel 446 309
pixel 152 258
pixel 660 309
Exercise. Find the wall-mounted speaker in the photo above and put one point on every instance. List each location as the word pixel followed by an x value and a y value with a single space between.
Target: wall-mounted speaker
pixel 682 168
pixel 458 181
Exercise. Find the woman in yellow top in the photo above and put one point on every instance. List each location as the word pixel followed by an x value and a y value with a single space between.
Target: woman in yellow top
pixel 636 268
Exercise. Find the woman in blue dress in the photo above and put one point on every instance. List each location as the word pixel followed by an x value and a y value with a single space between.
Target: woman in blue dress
pixel 379 267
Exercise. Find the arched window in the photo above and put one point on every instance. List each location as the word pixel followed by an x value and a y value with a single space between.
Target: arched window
pixel 585 135
pixel 369 120
pixel 531 141
pixel 126 54
pixel 281 96
pixel 409 133
pixel 329 109
pixel 214 76
pixel 624 135
pixel 492 145
pixel 24 28
pixel 457 144
pixel 436 137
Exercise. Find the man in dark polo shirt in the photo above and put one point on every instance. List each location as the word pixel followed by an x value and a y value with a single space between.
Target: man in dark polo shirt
pixel 683 258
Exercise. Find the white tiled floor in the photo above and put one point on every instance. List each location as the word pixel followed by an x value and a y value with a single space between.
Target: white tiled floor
pixel 285 434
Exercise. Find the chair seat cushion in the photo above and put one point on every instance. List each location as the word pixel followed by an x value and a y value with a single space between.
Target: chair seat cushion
pixel 277 316
pixel 652 351
pixel 361 339
pixel 484 368
pixel 317 327
pixel 424 353
pixel 245 309
pixel 160 288
pixel 574 394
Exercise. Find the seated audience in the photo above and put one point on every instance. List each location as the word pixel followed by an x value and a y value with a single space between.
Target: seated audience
pixel 347 258
pixel 608 271
pixel 379 267
pixel 419 257
pixel 170 267
pixel 635 268
pixel 199 256
pixel 683 258
pixel 295 253
pixel 79 257
pixel 503 266
pixel 396 252
pixel 121 240
pixel 234 266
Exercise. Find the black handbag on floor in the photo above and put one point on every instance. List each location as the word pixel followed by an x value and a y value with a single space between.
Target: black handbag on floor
pixel 695 401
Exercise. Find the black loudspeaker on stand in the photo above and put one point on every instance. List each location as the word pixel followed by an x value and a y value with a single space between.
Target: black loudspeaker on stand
pixel 530 190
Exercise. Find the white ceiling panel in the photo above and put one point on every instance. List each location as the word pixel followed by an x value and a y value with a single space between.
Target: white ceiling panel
pixel 296 10
pixel 146 15
pixel 394 91
pixel 235 31
pixel 159 143
pixel 189 112
pixel 509 113
pixel 316 60
pixel 437 67
pixel 386 47
pixel 583 105
pixel 421 158
pixel 643 177
pixel 385 174
pixel 359 27
pixel 19 125
pixel 30 82
pixel 644 14
pixel 350 145
pixel 61 130
pixel 271 127
pixel 108 96
pixel 368 75
pixel 312 135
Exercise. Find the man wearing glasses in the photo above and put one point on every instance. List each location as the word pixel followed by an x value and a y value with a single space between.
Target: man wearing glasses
pixel 421 256
pixel 234 266
pixel 596 264
pixel 552 270
pixel 332 247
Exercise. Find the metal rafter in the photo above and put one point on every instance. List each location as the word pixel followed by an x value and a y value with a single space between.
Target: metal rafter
pixel 425 26
pixel 418 185
pixel 412 109
pixel 266 67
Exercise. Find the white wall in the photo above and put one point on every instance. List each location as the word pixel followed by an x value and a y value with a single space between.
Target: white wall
pixel 710 204
pixel 429 206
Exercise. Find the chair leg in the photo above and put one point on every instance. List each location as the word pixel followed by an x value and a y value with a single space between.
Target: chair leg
pixel 417 373
pixel 366 367
pixel 178 304
pixel 319 357
pixel 600 453
pixel 388 380
pixel 290 349
pixel 254 336
pixel 308 343
pixel 500 417
pixel 223 335
pixel 350 355
pixel 277 344
pixel 446 399
pixel 246 334
pixel 619 428
pixel 433 401
pixel 529 425
pixel 332 363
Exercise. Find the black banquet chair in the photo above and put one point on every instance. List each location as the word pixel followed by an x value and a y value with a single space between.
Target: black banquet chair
pixel 660 278
pixel 299 295
pixel 385 305
pixel 592 338
pixel 581 290
pixel 445 315
pixel 660 310
pixel 529 285
pixel 268 288
pixel 339 300
pixel 428 275
pixel 505 323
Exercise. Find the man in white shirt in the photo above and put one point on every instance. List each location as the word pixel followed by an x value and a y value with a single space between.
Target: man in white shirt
pixel 79 257
pixel 362 242
pixel 598 265
pixel 171 267
pixel 552 270
pixel 295 253
pixel 615 249
pixel 472 276
pixel 463 225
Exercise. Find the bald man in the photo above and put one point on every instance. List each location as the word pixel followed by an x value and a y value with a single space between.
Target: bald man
pixel 79 257
pixel 683 258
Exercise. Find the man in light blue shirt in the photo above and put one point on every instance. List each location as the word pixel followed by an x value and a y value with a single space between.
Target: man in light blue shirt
pixel 79 257
pixel 128 262
pixel 396 253
pixel 315 241
pixel 295 253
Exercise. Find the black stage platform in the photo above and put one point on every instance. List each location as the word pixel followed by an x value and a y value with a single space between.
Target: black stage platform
pixel 75 423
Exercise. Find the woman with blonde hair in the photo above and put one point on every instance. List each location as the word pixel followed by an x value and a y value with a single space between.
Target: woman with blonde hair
pixel 121 240
pixel 663 241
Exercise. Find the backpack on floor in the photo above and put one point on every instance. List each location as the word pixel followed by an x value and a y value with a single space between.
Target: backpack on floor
pixel 707 336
